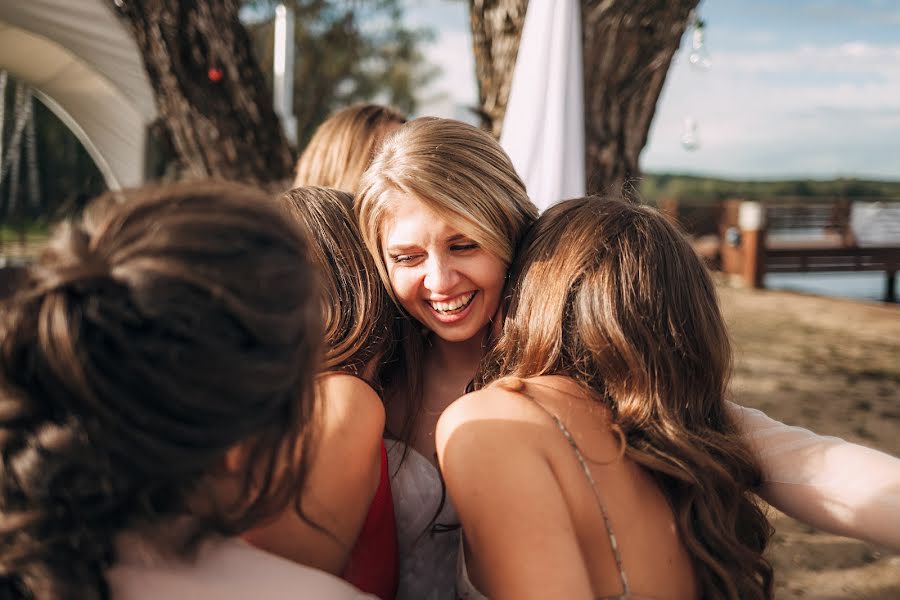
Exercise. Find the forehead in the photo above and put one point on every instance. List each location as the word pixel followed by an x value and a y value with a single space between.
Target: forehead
pixel 409 219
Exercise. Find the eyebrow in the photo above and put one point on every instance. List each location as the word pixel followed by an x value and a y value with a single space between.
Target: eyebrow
pixel 407 246
pixel 402 248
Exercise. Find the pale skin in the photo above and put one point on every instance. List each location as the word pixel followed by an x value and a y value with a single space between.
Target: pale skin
pixel 341 483
pixel 433 265
pixel 497 447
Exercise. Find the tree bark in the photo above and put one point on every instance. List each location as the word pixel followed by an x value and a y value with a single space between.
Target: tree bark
pixel 496 28
pixel 628 48
pixel 210 91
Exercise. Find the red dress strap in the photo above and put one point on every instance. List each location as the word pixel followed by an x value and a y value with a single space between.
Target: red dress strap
pixel 373 564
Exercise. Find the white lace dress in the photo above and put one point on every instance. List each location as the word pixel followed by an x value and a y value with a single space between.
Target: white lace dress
pixel 428 550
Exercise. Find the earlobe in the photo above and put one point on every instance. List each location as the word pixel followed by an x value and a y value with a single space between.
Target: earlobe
pixel 496 323
pixel 236 458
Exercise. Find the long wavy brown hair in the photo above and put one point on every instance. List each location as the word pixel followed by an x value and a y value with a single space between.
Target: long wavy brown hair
pixel 148 341
pixel 612 295
pixel 344 145
pixel 357 310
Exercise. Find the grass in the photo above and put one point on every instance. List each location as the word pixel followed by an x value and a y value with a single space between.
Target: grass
pixel 23 240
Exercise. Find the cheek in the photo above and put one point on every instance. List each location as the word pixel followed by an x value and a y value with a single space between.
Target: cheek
pixel 495 274
pixel 403 285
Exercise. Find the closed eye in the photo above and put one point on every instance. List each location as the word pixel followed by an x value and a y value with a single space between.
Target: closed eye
pixel 403 258
pixel 464 247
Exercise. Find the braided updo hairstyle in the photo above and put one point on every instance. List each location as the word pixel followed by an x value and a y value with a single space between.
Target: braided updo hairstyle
pixel 148 341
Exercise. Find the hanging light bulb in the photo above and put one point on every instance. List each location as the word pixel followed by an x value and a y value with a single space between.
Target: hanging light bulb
pixel 690 138
pixel 699 56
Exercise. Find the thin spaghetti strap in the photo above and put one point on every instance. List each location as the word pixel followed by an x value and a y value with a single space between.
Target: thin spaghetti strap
pixel 613 542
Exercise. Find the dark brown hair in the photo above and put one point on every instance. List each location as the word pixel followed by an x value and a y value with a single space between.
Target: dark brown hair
pixel 149 341
pixel 358 312
pixel 343 146
pixel 613 296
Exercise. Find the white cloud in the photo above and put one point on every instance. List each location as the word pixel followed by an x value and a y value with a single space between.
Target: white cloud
pixel 858 57
pixel 812 111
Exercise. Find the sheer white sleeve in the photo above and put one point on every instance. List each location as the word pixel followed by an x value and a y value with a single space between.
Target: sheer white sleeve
pixel 826 482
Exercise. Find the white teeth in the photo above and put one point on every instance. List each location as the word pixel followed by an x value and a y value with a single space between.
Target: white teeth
pixel 456 304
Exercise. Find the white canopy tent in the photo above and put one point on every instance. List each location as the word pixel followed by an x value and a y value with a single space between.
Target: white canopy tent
pixel 84 65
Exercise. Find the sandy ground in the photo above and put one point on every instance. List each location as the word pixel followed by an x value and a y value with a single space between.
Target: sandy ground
pixel 832 366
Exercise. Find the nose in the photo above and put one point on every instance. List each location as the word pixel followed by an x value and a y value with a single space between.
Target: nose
pixel 441 275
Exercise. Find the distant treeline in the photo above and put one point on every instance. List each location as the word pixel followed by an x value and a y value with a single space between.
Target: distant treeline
pixel 690 189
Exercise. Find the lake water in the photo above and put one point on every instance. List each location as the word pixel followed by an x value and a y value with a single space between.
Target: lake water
pixel 867 285
pixel 873 224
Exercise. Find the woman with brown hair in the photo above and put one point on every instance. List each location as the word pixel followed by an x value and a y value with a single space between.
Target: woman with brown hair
pixel 605 447
pixel 344 145
pixel 156 400
pixel 349 493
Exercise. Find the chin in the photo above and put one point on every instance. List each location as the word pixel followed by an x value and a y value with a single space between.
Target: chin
pixel 460 335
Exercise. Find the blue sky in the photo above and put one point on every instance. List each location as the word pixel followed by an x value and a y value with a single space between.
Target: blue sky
pixel 799 88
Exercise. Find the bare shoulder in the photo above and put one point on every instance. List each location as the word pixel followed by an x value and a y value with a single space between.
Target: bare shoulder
pixel 494 416
pixel 350 406
pixel 492 402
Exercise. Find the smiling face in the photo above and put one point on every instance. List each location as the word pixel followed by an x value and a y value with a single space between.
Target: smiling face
pixel 443 278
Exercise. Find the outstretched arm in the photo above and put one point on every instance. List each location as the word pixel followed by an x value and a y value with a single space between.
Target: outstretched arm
pixel 826 482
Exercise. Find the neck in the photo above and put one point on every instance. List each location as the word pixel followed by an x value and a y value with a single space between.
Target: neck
pixel 458 357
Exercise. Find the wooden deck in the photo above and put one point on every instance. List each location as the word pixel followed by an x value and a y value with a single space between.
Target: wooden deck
pixel 799 238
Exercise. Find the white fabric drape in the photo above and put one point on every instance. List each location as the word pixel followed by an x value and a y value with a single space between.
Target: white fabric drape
pixel 543 131
pixel 85 66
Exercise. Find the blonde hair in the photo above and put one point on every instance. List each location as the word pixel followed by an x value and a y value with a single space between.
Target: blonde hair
pixel 344 145
pixel 462 174
pixel 613 296
pixel 458 171
pixel 358 314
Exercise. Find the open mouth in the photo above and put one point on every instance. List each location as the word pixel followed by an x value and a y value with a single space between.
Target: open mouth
pixel 457 305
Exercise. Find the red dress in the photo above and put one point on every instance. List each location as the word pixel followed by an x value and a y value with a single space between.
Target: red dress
pixel 373 564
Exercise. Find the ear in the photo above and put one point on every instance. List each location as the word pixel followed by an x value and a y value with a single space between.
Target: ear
pixel 497 323
pixel 236 457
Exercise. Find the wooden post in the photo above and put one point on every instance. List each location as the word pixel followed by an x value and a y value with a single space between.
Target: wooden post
pixel 730 251
pixel 669 207
pixel 890 286
pixel 752 223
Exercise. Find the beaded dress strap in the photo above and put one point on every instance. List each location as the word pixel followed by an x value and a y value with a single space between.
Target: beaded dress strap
pixel 613 542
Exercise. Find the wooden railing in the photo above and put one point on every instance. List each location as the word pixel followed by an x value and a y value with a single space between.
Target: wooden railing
pixel 755 238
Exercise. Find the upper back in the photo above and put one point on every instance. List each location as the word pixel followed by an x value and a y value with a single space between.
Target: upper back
pixel 224 569
pixel 622 525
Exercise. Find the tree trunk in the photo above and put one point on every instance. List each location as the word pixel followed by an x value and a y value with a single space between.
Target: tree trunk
pixel 628 48
pixel 496 28
pixel 210 91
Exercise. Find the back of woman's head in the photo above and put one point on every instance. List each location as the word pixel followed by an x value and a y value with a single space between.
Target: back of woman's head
pixel 640 311
pixel 457 170
pixel 612 294
pixel 358 313
pixel 147 343
pixel 343 146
